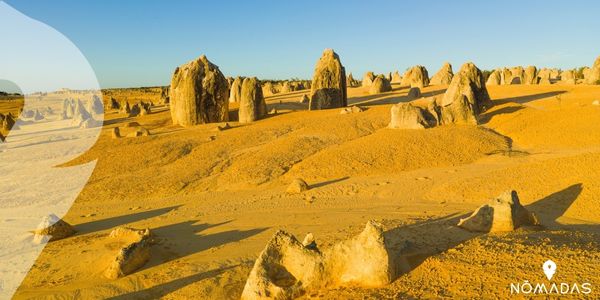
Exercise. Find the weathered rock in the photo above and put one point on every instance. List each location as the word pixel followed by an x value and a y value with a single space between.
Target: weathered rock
pixel 95 106
pixel 414 93
pixel 351 110
pixel 416 76
pixel 252 103
pixel 517 75
pixel 52 228
pixel 504 213
pixel 329 83
pixel 396 77
pixel 304 99
pixel 466 97
pixel 125 108
pixel 140 131
pixel 443 76
pixel 8 123
pixel 363 260
pixel 288 269
pixel 530 76
pixel 544 77
pixel 235 94
pixel 164 95
pixel 116 133
pixel 112 104
pixel 351 82
pixel 133 255
pixel 286 87
pixel 505 76
pixel 380 85
pixel 435 111
pixel 297 186
pixel 268 89
pixel 368 79
pixel 199 94
pixel 594 73
pixel 567 77
pixel 407 116
pixel 80 114
pixel 494 78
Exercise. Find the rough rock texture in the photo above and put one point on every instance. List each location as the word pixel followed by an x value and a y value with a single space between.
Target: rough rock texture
pixel 544 76
pixel 567 77
pixel 530 76
pixel 328 88
pixel 466 97
pixel 368 79
pixel 416 76
pixel 594 74
pixel 517 75
pixel 112 104
pixel 286 87
pixel 95 106
pixel 52 228
pixel 407 116
pixel 505 76
pixel 504 213
pixel 414 93
pixel 235 92
pixel 288 269
pixel 8 123
pixel 443 76
pixel 198 94
pixel 133 255
pixel 297 186
pixel 252 103
pixel 494 78
pixel 80 114
pixel 362 260
pixel 396 77
pixel 268 89
pixel 380 85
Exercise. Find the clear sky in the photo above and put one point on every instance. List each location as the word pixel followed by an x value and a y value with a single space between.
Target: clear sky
pixel 140 42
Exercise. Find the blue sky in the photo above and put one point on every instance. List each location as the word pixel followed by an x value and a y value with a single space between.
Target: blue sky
pixel 139 43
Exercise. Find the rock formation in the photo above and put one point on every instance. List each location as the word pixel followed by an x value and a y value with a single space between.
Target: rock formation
pixel 286 87
pixel 52 228
pixel 494 78
pixel 329 83
pixel 416 76
pixel 414 93
pixel 133 255
pixel 95 106
pixel 567 77
pixel 236 90
pixel 116 133
pixel 443 76
pixel 297 186
pixel 368 79
pixel 288 269
pixel 504 213
pixel 407 116
pixel 544 76
pixel 252 103
pixel 466 97
pixel 198 94
pixel 380 85
pixel 594 74
pixel 396 78
pixel 268 89
pixel 517 75
pixel 530 76
pixel 80 114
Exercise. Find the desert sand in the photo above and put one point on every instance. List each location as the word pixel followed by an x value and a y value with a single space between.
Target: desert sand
pixel 213 198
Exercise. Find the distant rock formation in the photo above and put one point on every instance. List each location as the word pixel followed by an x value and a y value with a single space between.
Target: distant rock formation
pixel 380 85
pixel 466 97
pixel 396 77
pixel 328 88
pixel 530 76
pixel 443 76
pixel 414 93
pixel 567 77
pixel 594 74
pixel 252 103
pixel 416 76
pixel 236 90
pixel 368 79
pixel 199 94
pixel 504 213
pixel 494 78
pixel 517 75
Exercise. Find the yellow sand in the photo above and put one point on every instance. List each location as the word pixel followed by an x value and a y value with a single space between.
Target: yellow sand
pixel 214 198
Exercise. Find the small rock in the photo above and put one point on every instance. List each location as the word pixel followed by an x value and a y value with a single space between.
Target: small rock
pixel 297 186
pixel 52 228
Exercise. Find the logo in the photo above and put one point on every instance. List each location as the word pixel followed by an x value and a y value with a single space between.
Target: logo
pixel 550 288
pixel 549 269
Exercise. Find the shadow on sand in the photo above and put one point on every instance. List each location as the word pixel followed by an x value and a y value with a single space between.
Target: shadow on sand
pixel 528 98
pixel 411 245
pixel 104 224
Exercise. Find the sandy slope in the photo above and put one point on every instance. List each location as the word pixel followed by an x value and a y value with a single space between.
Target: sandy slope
pixel 214 198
